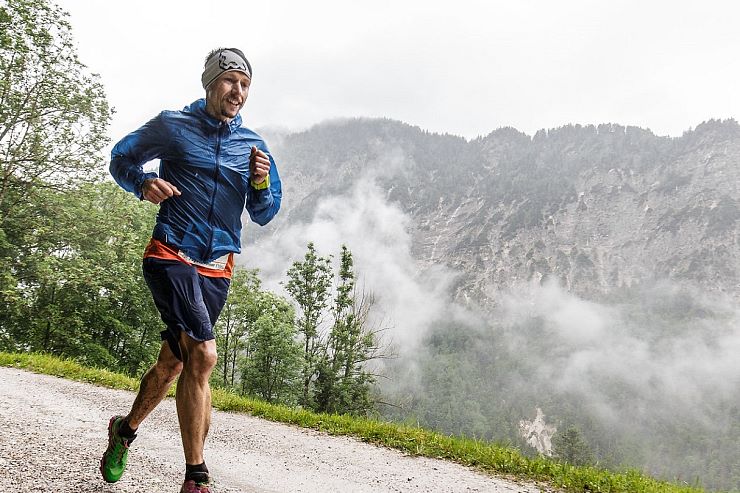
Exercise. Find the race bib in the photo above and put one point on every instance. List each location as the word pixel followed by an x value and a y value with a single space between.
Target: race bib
pixel 218 264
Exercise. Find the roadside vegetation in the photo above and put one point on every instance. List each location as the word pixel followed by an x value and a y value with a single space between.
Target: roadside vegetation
pixel 487 457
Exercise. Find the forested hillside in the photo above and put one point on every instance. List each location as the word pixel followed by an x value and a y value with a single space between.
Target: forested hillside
pixel 594 274
pixel 597 207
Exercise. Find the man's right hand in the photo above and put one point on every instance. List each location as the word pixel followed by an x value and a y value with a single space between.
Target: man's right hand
pixel 157 190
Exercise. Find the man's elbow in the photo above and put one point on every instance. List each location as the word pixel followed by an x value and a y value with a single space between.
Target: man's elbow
pixel 117 171
pixel 113 168
pixel 265 216
pixel 261 221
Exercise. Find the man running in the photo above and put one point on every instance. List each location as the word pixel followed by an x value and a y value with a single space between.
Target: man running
pixel 211 168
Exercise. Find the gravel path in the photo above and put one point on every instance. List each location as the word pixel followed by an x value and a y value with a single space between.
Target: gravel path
pixel 53 432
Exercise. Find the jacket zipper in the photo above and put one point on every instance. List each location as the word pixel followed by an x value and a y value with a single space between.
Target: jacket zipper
pixel 216 176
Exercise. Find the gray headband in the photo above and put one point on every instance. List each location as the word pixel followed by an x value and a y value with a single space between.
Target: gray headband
pixel 224 61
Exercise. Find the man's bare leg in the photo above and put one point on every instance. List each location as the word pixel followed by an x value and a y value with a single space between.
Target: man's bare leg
pixel 154 385
pixel 193 395
pixel 121 432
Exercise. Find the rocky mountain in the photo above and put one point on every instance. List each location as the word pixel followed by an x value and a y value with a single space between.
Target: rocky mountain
pixel 633 361
pixel 599 207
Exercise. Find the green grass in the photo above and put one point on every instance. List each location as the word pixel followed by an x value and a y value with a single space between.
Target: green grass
pixel 412 440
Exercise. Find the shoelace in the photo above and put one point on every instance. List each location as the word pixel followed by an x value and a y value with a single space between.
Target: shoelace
pixel 121 448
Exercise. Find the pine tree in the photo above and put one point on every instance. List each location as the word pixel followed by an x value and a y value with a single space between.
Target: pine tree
pixel 570 447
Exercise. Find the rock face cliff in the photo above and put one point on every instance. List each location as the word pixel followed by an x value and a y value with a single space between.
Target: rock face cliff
pixel 642 369
pixel 598 207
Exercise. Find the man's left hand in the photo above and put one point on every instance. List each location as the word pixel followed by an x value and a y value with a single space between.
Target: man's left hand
pixel 259 165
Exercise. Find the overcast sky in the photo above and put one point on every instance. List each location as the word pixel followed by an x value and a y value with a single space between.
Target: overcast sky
pixel 465 67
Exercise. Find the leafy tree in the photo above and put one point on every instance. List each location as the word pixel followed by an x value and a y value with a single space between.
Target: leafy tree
pixel 343 382
pixel 79 291
pixel 53 113
pixel 256 337
pixel 273 355
pixel 308 283
pixel 53 117
pixel 237 320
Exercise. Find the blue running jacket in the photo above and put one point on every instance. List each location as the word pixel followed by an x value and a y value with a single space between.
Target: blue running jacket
pixel 208 161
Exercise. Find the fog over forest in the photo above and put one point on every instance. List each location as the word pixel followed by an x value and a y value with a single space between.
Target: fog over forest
pixel 648 375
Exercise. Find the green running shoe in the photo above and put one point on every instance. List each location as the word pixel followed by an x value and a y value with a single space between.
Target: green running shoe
pixel 114 459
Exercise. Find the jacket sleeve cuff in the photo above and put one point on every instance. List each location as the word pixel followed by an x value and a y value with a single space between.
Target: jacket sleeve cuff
pixel 139 182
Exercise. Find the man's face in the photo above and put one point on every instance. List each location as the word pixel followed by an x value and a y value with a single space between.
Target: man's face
pixel 227 95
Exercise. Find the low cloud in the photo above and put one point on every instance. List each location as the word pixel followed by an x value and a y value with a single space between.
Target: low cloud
pixel 660 359
pixel 377 233
pixel 674 348
pixel 667 351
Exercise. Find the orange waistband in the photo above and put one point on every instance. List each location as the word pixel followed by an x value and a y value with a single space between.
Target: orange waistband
pixel 159 249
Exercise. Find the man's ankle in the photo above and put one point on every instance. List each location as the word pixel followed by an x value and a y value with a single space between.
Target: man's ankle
pixel 125 429
pixel 197 472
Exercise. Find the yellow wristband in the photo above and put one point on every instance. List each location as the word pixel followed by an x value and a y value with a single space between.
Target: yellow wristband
pixel 261 186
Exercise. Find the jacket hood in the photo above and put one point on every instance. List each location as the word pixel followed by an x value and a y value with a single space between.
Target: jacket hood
pixel 198 107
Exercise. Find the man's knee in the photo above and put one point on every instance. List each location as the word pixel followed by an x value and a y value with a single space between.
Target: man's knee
pixel 201 356
pixel 167 365
pixel 170 370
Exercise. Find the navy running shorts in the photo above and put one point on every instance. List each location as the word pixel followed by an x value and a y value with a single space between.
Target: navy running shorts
pixel 187 301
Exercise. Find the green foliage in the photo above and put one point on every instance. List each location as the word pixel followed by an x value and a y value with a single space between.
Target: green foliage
pixel 71 283
pixel 53 113
pixel 308 283
pixel 256 338
pixel 334 375
pixel 52 123
pixel 343 383
pixel 78 289
pixel 569 446
pixel 272 366
pixel 267 351
pixel 237 319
